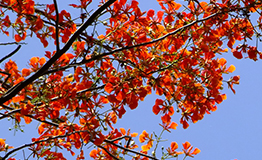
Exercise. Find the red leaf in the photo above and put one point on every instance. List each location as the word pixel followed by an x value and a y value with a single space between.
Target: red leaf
pixel 121 111
pixel 156 109
pixel 17 38
pixel 231 42
pixel 237 54
pixel 166 118
pixel 109 88
pixel 150 13
pixel 184 123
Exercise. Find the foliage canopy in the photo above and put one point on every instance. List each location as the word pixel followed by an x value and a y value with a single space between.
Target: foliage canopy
pixel 171 52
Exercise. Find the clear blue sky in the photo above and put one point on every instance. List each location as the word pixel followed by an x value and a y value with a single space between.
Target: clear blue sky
pixel 233 131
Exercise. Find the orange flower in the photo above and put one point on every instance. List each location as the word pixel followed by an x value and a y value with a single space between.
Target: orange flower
pixel 188 148
pixel 143 137
pixel 172 149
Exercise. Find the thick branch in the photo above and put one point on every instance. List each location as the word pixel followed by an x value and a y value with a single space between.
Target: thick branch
pixel 17 88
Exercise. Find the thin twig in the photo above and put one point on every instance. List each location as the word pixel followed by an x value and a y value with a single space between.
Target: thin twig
pixel 10 54
pixel 31 116
pixel 108 152
pixel 11 43
pixel 9 113
pixel 4 85
pixel 129 150
pixel 40 141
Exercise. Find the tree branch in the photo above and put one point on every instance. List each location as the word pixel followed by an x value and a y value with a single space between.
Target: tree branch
pixel 129 150
pixel 10 54
pixel 56 26
pixel 31 116
pixel 36 142
pixel 15 89
pixel 11 43
pixel 96 57
pixel 40 103
pixel 108 152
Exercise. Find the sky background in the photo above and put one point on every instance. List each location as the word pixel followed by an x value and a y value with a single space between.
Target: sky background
pixel 231 132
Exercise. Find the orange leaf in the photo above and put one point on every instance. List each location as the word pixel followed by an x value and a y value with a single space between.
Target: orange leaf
pixel 203 5
pixel 41 128
pixel 143 136
pixel 224 96
pixel 17 99
pixel 120 96
pixel 186 145
pixel 145 147
pixel 2 142
pixel 33 60
pixel 196 151
pixel 113 117
pixel 176 6
pixel 159 91
pixel 109 88
pixel 27 120
pixel 191 6
pixel 222 61
pixel 159 102
pixel 134 134
pixel 25 109
pixel 26 72
pixel 121 111
pixel 173 125
pixel 174 146
pixel 93 153
pixel 42 61
pixel 123 131
pixel 103 99
pixel 231 69
pixel 171 111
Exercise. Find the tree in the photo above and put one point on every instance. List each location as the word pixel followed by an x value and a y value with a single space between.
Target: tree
pixel 171 52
